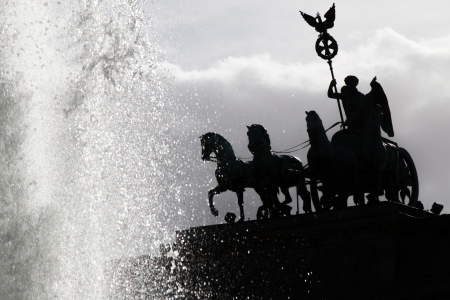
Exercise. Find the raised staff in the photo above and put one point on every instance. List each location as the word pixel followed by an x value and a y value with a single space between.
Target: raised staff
pixel 326 45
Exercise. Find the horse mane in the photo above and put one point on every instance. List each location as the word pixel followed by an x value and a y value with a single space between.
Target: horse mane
pixel 320 132
pixel 263 131
pixel 217 139
pixel 212 136
pixel 313 113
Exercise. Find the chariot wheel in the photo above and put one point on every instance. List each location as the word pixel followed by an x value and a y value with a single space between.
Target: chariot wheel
pixel 407 177
pixel 326 46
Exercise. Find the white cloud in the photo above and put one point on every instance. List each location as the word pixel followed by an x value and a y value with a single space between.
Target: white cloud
pixel 258 70
pixel 386 53
pixel 413 73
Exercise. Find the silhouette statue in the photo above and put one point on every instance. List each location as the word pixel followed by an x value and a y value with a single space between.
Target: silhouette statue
pixel 326 45
pixel 385 168
pixel 271 171
pixel 336 168
pixel 357 106
pixel 231 173
pixel 318 24
pixel 436 208
pixel 236 175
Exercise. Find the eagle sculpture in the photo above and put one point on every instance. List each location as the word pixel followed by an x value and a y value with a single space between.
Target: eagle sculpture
pixel 318 24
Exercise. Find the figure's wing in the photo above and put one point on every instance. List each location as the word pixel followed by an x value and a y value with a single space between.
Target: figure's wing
pixel 380 98
pixel 330 16
pixel 309 19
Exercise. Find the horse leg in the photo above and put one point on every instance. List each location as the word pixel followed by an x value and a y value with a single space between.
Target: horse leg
pixel 303 192
pixel 240 196
pixel 270 201
pixel 284 208
pixel 276 208
pixel 379 186
pixel 287 196
pixel 372 172
pixel 217 190
pixel 342 200
pixel 262 212
pixel 358 195
pixel 314 196
pixel 391 192
pixel 395 182
pixel 267 210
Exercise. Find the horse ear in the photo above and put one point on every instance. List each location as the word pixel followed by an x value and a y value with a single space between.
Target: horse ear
pixel 248 127
pixel 306 112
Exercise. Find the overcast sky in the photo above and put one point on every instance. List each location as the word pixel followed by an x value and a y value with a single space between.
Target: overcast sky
pixel 236 63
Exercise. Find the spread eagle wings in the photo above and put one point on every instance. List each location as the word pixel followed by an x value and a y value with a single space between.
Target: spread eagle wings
pixel 321 26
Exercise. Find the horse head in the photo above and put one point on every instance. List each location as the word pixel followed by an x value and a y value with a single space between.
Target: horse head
pixel 207 141
pixel 214 142
pixel 258 138
pixel 314 125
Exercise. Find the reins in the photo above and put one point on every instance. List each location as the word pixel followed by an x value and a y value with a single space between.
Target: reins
pixel 214 159
pixel 285 151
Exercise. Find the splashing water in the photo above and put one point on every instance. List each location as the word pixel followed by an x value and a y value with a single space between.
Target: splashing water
pixel 85 145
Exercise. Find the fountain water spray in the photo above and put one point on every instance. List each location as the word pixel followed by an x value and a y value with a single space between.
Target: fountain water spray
pixel 84 145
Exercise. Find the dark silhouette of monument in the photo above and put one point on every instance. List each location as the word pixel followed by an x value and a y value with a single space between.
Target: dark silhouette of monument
pixel 373 250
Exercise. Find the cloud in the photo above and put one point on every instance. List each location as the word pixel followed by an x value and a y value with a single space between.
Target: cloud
pixel 259 70
pixel 414 74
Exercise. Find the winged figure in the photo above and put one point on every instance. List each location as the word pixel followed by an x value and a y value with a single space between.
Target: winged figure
pixel 318 24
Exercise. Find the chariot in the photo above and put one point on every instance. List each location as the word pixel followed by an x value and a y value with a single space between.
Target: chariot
pixel 400 167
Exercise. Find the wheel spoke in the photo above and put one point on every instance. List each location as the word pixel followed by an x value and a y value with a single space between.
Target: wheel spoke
pixel 402 165
pixel 326 47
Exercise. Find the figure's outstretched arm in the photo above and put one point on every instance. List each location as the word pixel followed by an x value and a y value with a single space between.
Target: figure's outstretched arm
pixel 331 93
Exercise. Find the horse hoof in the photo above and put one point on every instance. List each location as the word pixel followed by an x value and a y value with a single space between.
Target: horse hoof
pixel 230 217
pixel 285 210
pixel 372 199
pixel 261 213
